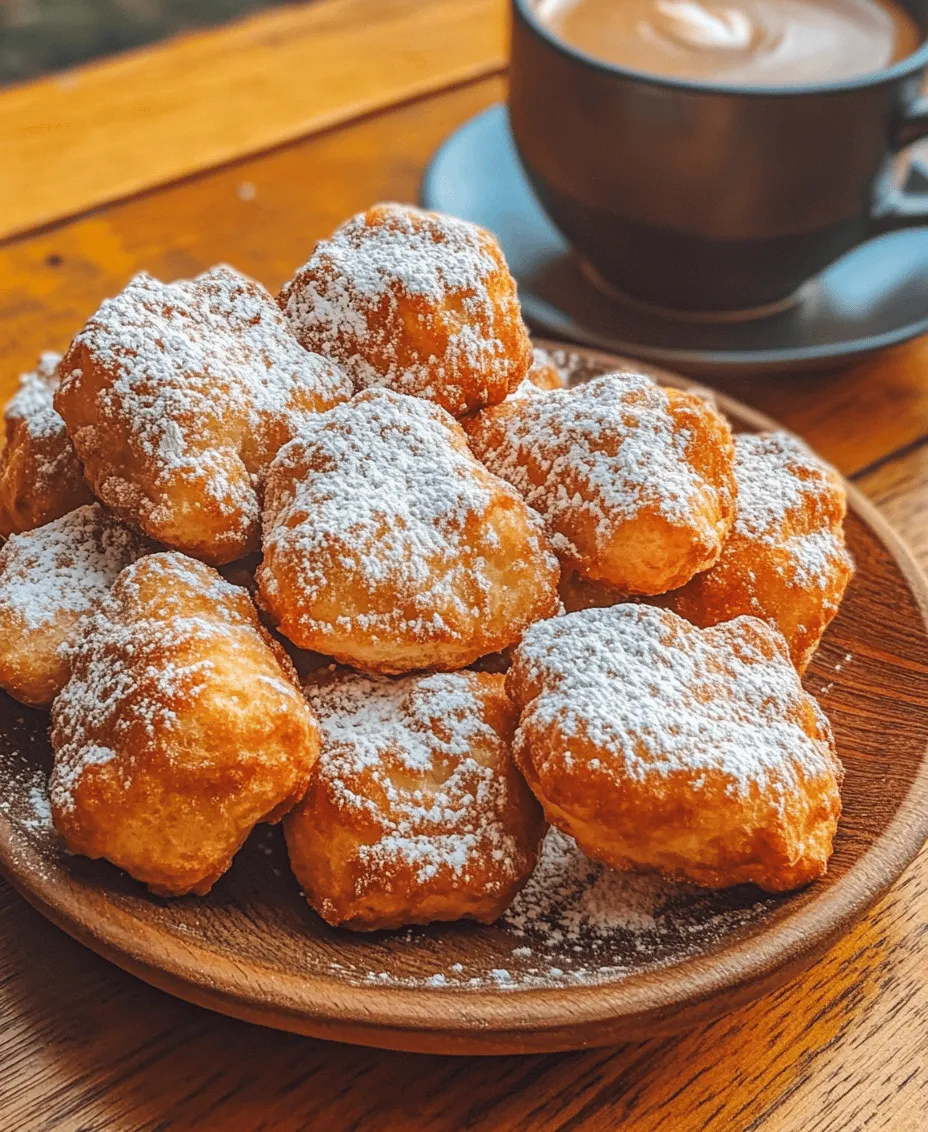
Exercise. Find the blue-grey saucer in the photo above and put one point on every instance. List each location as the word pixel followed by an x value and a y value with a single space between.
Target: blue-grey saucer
pixel 873 297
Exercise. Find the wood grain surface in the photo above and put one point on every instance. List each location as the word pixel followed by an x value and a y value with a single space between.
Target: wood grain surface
pixel 112 128
pixel 85 1048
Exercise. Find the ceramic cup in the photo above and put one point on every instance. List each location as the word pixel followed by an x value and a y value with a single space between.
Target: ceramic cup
pixel 711 198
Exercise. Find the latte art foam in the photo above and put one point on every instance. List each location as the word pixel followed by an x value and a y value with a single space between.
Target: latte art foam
pixel 739 42
pixel 692 26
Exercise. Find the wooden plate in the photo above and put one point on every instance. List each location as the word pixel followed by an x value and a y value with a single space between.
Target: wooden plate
pixel 253 949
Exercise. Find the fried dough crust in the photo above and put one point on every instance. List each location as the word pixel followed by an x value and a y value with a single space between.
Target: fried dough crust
pixel 662 747
pixel 182 726
pixel 390 548
pixel 415 811
pixel 635 482
pixel 41 478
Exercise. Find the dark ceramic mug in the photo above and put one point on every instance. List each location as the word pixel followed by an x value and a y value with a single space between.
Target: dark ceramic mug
pixel 711 198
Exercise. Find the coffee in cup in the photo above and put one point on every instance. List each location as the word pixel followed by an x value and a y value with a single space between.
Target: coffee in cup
pixel 709 163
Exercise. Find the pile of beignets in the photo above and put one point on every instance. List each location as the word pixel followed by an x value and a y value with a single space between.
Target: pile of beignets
pixel 356 559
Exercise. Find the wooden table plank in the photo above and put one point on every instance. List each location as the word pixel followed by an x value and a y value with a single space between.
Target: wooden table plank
pixel 74 141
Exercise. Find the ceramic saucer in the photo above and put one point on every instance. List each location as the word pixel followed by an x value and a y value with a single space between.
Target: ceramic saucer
pixel 873 297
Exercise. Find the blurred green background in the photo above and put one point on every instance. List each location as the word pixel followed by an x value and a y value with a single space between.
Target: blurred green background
pixel 37 36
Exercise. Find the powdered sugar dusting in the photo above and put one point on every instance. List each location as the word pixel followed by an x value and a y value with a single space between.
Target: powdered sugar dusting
pixel 349 300
pixel 428 258
pixel 814 556
pixel 384 489
pixel 661 697
pixel 782 487
pixel 525 388
pixel 406 754
pixel 609 448
pixel 67 566
pixel 34 396
pixel 776 475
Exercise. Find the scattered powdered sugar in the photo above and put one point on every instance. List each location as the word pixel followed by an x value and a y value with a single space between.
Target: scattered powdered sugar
pixel 349 302
pixel 418 758
pixel 828 686
pixel 608 449
pixel 658 696
pixel 383 490
pixel 25 811
pixel 578 923
pixel 67 566
pixel 569 897
pixel 589 924
pixel 39 814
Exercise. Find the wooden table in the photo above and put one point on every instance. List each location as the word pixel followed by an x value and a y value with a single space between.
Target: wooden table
pixel 355 95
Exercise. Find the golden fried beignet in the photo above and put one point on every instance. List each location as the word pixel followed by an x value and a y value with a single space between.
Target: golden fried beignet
pixel 634 481
pixel 415 811
pixel 50 578
pixel 544 374
pixel 181 728
pixel 415 301
pixel 390 548
pixel 785 560
pixel 177 396
pixel 664 747
pixel 41 477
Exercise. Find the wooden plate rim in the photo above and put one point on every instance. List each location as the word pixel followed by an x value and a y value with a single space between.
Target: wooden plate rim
pixel 315 1004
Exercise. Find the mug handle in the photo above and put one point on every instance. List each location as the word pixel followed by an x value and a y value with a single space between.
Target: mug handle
pixel 897 207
